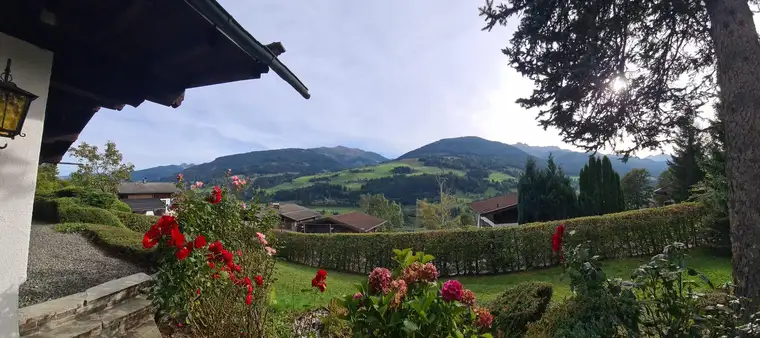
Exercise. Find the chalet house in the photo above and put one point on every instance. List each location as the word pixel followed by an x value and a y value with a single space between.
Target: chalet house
pixel 293 215
pixel 496 211
pixel 150 198
pixel 350 222
pixel 67 60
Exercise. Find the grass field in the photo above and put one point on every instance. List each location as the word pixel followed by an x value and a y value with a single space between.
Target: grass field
pixel 292 278
pixel 354 180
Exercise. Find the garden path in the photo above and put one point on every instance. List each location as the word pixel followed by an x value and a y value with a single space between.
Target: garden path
pixel 63 264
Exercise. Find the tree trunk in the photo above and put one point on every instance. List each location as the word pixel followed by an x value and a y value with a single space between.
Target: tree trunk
pixel 737 50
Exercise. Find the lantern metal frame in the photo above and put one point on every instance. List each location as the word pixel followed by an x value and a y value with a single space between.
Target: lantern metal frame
pixel 7 86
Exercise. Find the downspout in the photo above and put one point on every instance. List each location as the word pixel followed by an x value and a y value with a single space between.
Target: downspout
pixel 225 23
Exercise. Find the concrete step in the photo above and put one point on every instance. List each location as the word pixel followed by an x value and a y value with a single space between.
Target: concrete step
pixel 58 312
pixel 115 321
pixel 147 330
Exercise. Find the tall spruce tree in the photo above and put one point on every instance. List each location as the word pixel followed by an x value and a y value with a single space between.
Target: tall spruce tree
pixel 545 194
pixel 715 187
pixel 599 188
pixel 606 70
pixel 686 162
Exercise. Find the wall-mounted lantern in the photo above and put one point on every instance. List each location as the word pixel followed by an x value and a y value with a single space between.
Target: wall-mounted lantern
pixel 14 105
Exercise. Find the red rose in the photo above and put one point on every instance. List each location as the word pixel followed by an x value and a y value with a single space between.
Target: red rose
pixel 199 242
pixel 216 247
pixel 216 196
pixel 198 292
pixel 181 254
pixel 557 237
pixel 177 238
pixel 149 242
pixel 246 280
pixel 259 280
pixel 249 299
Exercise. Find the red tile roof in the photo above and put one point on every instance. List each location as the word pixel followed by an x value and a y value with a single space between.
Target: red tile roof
pixel 358 221
pixel 493 204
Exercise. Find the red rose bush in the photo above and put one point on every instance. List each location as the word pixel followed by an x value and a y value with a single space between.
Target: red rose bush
pixel 213 254
pixel 410 301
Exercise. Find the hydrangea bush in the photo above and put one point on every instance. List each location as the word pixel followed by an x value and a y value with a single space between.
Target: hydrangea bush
pixel 411 302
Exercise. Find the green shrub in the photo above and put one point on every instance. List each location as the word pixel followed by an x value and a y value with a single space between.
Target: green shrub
pixel 82 214
pixel 47 209
pixel 120 206
pixel 119 241
pixel 488 250
pixel 70 191
pixel 520 305
pixel 98 199
pixel 136 222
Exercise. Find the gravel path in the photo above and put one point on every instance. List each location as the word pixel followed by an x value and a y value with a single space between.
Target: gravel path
pixel 63 264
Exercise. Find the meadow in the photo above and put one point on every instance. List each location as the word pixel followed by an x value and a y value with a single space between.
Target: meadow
pixel 291 278
pixel 354 178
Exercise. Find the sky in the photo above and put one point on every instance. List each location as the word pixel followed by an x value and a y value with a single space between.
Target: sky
pixel 385 76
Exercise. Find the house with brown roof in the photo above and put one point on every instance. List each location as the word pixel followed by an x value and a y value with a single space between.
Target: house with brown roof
pixel 357 222
pixel 496 211
pixel 149 198
pixel 293 216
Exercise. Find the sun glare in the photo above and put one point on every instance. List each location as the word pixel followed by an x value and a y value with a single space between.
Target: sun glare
pixel 618 84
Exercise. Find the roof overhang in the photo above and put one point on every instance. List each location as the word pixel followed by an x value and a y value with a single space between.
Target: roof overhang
pixel 112 53
pixel 510 206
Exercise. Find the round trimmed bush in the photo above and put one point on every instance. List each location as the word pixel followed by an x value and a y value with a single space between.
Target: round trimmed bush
pixel 120 206
pixel 519 306
pixel 82 214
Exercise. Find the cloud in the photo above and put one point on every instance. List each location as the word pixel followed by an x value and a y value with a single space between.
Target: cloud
pixel 386 76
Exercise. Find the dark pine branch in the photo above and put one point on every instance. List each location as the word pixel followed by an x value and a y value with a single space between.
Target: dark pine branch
pixel 573 50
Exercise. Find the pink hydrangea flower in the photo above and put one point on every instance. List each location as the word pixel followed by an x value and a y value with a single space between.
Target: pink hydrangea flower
pixel 380 280
pixel 452 290
pixel 468 297
pixel 429 273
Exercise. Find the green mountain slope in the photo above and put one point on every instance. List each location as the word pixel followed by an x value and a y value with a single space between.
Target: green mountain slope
pixel 160 172
pixel 351 157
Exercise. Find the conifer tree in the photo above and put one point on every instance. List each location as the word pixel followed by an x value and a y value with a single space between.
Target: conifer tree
pixel 600 188
pixel 686 162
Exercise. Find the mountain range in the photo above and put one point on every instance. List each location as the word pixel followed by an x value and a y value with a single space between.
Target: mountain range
pixel 461 153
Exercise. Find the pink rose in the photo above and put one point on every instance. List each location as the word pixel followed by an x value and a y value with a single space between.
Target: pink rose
pixel 270 251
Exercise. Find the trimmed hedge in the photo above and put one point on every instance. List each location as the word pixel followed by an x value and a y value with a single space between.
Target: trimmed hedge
pixel 484 251
pixel 136 222
pixel 120 206
pixel 80 214
pixel 519 306
pixel 118 241
pixel 48 209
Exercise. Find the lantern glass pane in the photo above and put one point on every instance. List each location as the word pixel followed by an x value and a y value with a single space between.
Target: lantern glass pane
pixel 11 111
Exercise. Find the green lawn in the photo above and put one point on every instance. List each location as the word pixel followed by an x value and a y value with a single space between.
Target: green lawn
pixel 292 278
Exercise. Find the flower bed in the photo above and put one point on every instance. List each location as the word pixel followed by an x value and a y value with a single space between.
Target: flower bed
pixel 501 250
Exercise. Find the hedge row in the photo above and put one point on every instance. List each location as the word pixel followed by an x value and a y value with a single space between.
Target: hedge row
pixel 69 210
pixel 136 222
pixel 500 250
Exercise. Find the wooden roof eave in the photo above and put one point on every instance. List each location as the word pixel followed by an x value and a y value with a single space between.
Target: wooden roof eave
pixel 225 23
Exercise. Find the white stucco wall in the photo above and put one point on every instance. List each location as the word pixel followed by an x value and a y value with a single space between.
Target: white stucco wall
pixel 30 68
